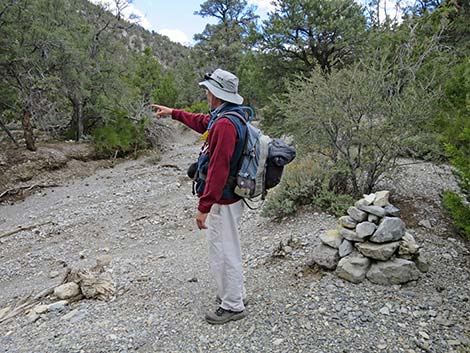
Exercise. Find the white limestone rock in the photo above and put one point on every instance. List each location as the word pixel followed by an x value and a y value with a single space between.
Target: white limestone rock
pixel 67 290
pixel 381 198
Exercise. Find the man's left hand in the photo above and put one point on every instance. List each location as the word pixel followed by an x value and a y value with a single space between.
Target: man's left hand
pixel 201 220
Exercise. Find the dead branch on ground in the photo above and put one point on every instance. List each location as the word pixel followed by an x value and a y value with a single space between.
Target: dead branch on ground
pixel 15 191
pixel 20 229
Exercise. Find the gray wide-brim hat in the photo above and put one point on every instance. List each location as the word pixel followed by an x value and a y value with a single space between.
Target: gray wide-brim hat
pixel 223 85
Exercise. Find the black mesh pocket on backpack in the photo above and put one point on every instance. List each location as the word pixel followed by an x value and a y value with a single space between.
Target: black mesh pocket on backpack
pixel 273 175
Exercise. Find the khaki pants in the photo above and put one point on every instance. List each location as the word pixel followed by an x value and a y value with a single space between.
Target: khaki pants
pixel 225 257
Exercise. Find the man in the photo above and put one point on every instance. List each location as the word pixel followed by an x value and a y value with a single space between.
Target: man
pixel 219 209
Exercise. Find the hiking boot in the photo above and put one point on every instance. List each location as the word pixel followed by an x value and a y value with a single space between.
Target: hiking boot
pixel 222 316
pixel 218 300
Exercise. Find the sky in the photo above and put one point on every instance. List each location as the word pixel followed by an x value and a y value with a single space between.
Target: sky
pixel 176 19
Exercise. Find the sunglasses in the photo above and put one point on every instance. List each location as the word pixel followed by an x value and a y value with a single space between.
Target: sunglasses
pixel 209 77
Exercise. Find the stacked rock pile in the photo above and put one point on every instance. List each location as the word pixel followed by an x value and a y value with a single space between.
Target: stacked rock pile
pixel 371 242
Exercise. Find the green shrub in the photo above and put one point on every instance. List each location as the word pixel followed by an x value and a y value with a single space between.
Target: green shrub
pixel 305 182
pixel 459 211
pixel 199 107
pixel 351 118
pixel 120 136
pixel 454 121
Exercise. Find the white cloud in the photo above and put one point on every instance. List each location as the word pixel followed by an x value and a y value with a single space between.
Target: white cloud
pixel 130 12
pixel 393 9
pixel 263 4
pixel 176 35
pixel 142 19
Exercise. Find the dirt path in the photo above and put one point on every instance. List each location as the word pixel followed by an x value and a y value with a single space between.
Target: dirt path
pixel 141 214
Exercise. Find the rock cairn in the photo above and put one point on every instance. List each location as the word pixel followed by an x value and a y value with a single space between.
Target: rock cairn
pixel 371 242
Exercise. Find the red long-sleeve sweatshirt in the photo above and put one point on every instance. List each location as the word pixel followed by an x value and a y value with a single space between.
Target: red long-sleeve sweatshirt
pixel 222 140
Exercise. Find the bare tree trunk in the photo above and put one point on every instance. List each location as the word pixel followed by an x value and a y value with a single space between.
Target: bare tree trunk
pixel 2 125
pixel 28 130
pixel 78 119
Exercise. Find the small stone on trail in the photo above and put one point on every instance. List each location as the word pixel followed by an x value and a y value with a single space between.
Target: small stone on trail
pixel 4 312
pixel 58 306
pixel 103 260
pixel 382 346
pixel 70 314
pixel 53 274
pixel 422 262
pixel 41 309
pixel 424 335
pixel 425 223
pixel 32 317
pixel 278 341
pixel 192 280
pixel 453 342
pixel 385 311
pixel 67 290
pixel 251 330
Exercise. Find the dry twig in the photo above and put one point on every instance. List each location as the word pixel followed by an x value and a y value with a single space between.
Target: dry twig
pixel 20 229
pixel 15 191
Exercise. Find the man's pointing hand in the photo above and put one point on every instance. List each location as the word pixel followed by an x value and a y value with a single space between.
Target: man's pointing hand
pixel 161 110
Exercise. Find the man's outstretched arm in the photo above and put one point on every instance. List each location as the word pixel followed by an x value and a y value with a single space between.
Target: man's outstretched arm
pixel 197 122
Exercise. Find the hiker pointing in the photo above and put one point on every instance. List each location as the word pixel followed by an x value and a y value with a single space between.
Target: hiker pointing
pixel 219 209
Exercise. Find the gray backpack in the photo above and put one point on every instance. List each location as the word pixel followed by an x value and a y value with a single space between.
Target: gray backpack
pixel 262 162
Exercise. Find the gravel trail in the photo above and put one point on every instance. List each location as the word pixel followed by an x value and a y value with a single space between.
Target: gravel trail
pixel 141 214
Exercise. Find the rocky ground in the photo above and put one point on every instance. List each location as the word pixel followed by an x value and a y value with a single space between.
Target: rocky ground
pixel 140 213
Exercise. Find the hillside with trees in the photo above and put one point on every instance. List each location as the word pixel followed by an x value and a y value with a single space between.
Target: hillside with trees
pixel 356 89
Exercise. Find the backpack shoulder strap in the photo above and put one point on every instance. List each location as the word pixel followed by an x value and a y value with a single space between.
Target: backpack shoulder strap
pixel 245 145
pixel 236 114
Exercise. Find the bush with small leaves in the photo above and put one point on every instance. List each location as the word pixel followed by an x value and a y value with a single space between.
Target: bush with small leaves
pixel 306 182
